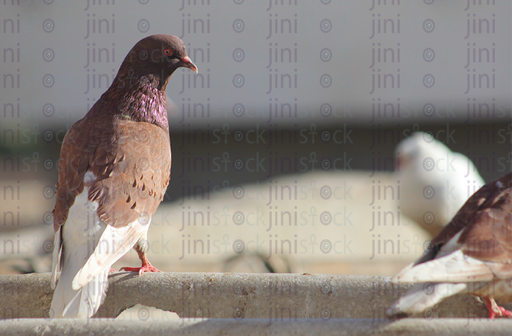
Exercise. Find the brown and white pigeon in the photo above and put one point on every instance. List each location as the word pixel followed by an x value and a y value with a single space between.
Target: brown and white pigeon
pixel 434 181
pixel 114 169
pixel 472 254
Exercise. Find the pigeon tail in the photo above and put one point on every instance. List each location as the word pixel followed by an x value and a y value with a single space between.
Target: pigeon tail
pixel 57 252
pixel 422 296
pixel 113 244
pixel 83 302
pixel 86 263
pixel 72 256
pixel 86 301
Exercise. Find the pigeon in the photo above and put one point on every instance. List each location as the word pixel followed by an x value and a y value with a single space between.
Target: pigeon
pixel 472 254
pixel 114 169
pixel 435 182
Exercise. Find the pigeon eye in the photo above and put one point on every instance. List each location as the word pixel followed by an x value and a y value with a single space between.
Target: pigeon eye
pixel 167 52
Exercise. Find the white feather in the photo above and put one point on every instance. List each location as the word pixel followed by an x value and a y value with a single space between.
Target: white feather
pixel 57 251
pixel 451 246
pixel 113 244
pixel 424 295
pixel 454 267
pixel 89 249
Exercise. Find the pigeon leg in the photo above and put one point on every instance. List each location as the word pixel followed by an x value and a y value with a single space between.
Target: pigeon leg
pixel 146 265
pixel 492 307
pixel 504 312
pixel 495 310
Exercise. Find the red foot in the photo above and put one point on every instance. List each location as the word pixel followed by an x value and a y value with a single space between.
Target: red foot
pixel 495 310
pixel 146 265
pixel 490 303
pixel 505 313
pixel 112 270
pixel 144 268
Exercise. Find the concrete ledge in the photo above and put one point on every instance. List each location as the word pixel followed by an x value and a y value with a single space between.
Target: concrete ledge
pixel 100 327
pixel 273 297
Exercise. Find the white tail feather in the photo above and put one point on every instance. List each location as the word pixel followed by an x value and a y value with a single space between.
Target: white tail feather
pixel 57 251
pixel 113 244
pixel 422 296
pixel 454 267
pixel 89 298
pixel 88 248
pixel 85 301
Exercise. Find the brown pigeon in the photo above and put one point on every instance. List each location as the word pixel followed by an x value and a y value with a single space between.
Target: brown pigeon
pixel 472 254
pixel 114 169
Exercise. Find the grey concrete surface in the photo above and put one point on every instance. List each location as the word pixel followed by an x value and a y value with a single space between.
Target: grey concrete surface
pixel 273 297
pixel 100 327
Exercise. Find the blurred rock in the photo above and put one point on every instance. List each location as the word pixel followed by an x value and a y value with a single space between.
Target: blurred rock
pixel 323 222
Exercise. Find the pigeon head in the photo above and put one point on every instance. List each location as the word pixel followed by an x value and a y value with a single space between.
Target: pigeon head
pixel 138 91
pixel 161 52
pixel 413 150
pixel 153 60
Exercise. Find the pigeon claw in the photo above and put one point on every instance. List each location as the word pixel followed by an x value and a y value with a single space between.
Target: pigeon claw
pixel 504 312
pixel 146 267
pixel 495 310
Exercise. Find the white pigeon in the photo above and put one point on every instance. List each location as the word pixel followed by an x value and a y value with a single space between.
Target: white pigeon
pixel 434 181
pixel 472 254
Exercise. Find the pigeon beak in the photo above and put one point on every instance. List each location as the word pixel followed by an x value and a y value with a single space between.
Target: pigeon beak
pixel 187 63
pixel 398 163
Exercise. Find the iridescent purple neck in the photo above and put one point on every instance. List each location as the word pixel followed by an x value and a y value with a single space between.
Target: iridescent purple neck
pixel 138 98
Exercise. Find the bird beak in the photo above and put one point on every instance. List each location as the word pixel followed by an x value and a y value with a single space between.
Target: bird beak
pixel 187 63
pixel 398 163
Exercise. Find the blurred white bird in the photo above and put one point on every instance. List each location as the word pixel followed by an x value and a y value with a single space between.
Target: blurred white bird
pixel 435 182
pixel 472 254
